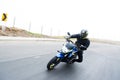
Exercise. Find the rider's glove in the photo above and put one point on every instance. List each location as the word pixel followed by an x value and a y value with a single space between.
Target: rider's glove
pixel 83 47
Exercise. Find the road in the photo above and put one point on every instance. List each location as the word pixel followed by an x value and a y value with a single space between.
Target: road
pixel 27 60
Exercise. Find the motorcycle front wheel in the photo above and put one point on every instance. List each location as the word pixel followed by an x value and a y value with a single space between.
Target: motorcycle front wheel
pixel 53 62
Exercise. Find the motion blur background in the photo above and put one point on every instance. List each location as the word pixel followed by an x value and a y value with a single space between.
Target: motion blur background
pixel 56 17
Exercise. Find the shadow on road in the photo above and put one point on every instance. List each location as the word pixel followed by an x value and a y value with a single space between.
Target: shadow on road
pixel 64 72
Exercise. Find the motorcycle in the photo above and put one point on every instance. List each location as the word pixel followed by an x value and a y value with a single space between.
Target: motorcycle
pixel 67 54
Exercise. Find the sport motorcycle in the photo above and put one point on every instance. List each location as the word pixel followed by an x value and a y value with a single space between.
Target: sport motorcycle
pixel 67 54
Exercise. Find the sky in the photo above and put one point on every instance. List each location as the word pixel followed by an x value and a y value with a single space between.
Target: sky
pixel 57 17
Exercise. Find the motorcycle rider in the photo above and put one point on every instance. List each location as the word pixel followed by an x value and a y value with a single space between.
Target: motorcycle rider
pixel 82 43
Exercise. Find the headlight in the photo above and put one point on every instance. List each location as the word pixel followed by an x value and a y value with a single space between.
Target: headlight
pixel 65 49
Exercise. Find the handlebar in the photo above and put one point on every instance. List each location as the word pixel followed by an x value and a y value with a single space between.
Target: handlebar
pixel 68 40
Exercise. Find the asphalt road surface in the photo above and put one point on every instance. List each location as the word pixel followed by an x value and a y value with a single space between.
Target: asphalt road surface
pixel 28 60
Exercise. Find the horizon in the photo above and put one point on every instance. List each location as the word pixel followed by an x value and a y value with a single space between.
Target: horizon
pixel 100 18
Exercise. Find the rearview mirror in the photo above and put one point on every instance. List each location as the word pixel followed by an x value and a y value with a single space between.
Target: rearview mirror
pixel 68 33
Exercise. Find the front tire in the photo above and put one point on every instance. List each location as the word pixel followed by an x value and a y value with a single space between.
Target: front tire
pixel 53 62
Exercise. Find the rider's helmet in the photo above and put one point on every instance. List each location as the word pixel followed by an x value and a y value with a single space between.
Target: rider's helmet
pixel 83 33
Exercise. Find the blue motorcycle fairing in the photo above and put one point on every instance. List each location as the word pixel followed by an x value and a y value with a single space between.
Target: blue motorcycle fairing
pixel 60 55
pixel 70 55
pixel 74 51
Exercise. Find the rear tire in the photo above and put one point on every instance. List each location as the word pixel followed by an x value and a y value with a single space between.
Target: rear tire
pixel 53 62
